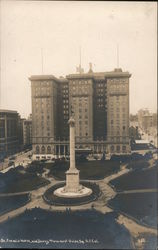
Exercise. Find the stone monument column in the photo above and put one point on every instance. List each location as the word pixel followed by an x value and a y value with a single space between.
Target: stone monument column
pixel 72 189
pixel 72 143
pixel 72 175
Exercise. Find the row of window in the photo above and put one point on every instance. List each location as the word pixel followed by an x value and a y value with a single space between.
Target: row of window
pixel 117 104
pixel 76 87
pixel 42 100
pixel 100 91
pixel 118 128
pixel 47 149
pixel 118 148
pixel 118 115
pixel 65 86
pixel 65 106
pixel 81 82
pixel 65 96
pixel 41 134
pixel 82 117
pixel 80 91
pixel 83 135
pixel 118 98
pixel 80 100
pixel 44 93
pixel 65 91
pixel 86 122
pixel 43 150
pixel 101 85
pixel 42 127
pixel 118 133
pixel 43 83
pixel 117 87
pixel 115 80
pixel 100 100
pixel 65 101
pixel 101 105
pixel 80 104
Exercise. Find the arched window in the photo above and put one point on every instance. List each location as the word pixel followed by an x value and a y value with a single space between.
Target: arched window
pixel 37 150
pixel 123 148
pixel 118 149
pixel 48 150
pixel 43 150
pixel 112 148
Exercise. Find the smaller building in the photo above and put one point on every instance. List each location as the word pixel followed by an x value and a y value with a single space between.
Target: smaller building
pixel 134 133
pixel 27 132
pixel 9 134
pixel 147 122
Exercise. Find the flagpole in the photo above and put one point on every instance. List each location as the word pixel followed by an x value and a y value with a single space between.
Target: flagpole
pixel 42 59
pixel 117 55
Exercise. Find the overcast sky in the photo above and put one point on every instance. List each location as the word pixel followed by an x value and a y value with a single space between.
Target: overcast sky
pixel 60 28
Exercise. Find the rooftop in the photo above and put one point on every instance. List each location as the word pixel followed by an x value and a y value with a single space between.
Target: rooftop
pixel 110 74
pixel 93 75
pixel 8 111
pixel 42 77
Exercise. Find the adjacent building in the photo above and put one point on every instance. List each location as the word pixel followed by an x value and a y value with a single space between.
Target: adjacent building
pixel 27 132
pixel 9 134
pixel 146 120
pixel 99 103
pixel 134 133
pixel 15 133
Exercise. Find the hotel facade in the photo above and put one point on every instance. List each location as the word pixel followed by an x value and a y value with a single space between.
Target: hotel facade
pixel 99 103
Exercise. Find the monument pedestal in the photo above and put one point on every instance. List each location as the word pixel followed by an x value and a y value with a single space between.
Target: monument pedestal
pixel 72 181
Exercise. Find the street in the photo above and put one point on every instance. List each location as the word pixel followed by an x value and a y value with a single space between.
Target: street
pixel 21 159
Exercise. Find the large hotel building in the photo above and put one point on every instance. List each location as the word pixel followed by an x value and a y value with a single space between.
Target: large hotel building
pixel 99 102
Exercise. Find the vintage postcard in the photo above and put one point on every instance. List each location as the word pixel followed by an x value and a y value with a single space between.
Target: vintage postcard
pixel 78 124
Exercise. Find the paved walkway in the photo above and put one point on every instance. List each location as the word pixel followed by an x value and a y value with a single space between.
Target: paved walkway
pixel 13 194
pixel 135 228
pixel 21 158
pixel 18 211
pixel 138 191
pixel 36 196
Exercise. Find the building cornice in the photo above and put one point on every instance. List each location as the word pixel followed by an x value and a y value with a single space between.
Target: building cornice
pixel 100 75
pixel 117 73
pixel 8 111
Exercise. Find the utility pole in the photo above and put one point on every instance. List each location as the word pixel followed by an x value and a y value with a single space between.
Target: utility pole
pixel 42 60
pixel 117 55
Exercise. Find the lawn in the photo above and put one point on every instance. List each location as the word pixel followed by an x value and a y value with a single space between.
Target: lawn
pixel 88 170
pixel 35 167
pixel 12 202
pixel 17 180
pixel 138 164
pixel 142 206
pixel 140 179
pixel 67 226
pixel 132 157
